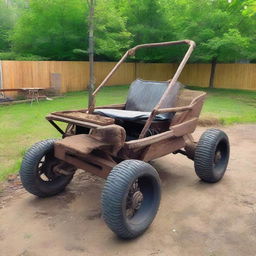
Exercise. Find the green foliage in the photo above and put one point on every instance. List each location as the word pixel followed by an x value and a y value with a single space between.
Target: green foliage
pixel 58 30
pixel 15 56
pixel 249 7
pixel 8 55
pixel 147 21
pixel 111 35
pixel 218 27
pixel 226 46
pixel 51 29
pixel 7 18
pixel 225 31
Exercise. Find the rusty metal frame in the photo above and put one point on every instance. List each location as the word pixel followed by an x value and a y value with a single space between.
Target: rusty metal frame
pixel 158 108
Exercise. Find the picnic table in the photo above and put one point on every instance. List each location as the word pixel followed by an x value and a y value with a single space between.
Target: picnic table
pixel 32 93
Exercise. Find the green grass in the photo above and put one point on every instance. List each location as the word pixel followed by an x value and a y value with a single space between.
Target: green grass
pixel 23 124
pixel 230 106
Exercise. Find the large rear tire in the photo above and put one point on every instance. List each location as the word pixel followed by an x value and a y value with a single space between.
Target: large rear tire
pixel 37 170
pixel 130 198
pixel 212 155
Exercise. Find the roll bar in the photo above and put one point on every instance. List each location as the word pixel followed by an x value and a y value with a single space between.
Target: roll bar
pixel 131 52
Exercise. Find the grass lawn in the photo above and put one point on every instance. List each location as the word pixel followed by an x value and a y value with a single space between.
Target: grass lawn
pixel 230 106
pixel 23 124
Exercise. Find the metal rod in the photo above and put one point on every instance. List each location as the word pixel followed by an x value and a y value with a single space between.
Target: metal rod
pixel 172 82
pixel 176 109
pixel 189 42
pixel 92 106
pixel 111 73
pixel 177 73
pixel 56 126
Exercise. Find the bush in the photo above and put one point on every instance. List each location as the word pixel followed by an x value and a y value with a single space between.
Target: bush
pixel 15 56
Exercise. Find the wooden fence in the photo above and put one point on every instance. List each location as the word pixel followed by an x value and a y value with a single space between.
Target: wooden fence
pixel 74 74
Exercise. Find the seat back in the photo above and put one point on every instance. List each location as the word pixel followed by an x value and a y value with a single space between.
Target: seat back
pixel 144 95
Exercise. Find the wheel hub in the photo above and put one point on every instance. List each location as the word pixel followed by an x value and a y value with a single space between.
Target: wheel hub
pixel 218 156
pixel 137 199
pixel 46 168
pixel 134 200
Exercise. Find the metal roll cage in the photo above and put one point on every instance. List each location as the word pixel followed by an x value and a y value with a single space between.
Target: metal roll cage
pixel 131 52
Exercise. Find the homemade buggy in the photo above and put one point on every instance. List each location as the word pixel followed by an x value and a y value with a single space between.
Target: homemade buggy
pixel 116 142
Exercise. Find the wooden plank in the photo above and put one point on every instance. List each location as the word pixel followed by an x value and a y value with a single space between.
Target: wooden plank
pixel 163 148
pixel 155 71
pixel 235 76
pixel 196 75
pixel 82 164
pixel 137 144
pixel 124 75
pixel 85 117
pixel 72 121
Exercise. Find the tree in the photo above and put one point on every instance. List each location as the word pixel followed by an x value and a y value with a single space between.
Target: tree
pixel 52 29
pixel 217 27
pixel 91 4
pixel 225 31
pixel 58 30
pixel 147 22
pixel 112 37
pixel 7 19
pixel 249 7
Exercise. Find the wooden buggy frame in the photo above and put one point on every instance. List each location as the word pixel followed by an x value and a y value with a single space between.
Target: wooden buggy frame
pixel 99 150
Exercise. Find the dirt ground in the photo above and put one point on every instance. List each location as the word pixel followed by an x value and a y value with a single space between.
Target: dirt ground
pixel 194 218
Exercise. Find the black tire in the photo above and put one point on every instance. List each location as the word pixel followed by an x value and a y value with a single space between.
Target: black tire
pixel 116 196
pixel 30 172
pixel 212 155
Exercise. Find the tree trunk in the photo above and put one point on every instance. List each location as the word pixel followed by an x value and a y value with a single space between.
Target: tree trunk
pixel 212 75
pixel 91 54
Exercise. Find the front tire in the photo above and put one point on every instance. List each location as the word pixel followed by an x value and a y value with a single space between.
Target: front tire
pixel 212 155
pixel 130 198
pixel 36 172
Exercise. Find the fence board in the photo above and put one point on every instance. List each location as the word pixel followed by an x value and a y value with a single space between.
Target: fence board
pixel 196 75
pixel 124 75
pixel 235 76
pixel 75 74
pixel 155 71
